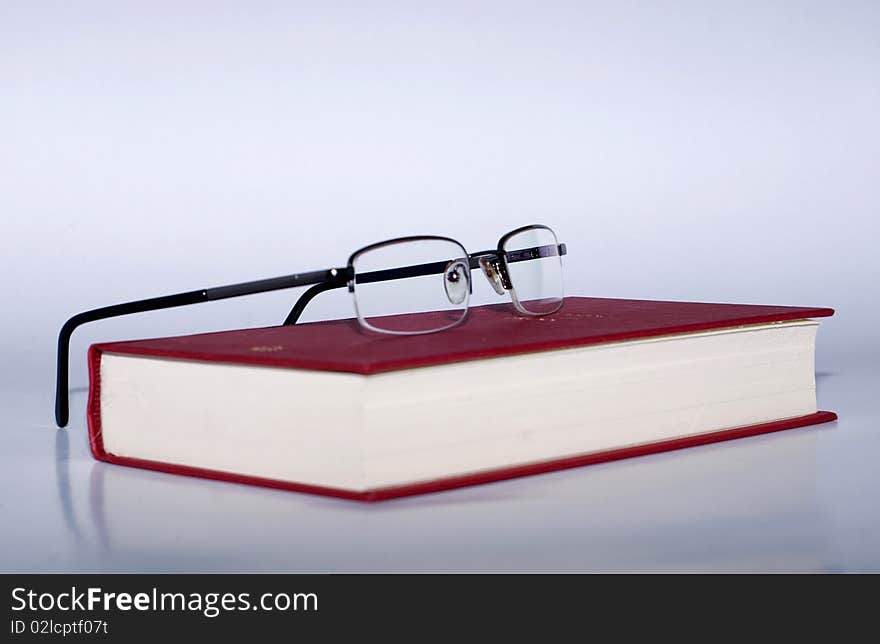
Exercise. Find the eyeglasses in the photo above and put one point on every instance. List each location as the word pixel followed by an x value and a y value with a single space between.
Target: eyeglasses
pixel 394 284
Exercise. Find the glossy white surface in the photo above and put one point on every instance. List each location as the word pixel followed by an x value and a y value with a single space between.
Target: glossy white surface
pixel 799 500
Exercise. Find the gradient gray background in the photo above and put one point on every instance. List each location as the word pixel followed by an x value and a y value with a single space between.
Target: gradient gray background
pixel 722 151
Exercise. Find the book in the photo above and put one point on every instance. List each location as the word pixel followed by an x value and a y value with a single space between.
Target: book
pixel 332 408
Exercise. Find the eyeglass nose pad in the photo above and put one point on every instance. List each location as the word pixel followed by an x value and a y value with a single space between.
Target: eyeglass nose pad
pixel 455 281
pixel 491 273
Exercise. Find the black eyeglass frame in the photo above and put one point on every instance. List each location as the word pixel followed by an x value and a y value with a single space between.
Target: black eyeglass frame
pixel 319 282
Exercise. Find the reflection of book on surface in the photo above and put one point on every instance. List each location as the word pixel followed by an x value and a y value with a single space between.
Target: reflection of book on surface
pixel 330 408
pixel 739 506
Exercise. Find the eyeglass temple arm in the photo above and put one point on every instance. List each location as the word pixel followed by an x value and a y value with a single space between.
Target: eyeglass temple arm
pixel 335 277
pixel 418 270
pixel 307 297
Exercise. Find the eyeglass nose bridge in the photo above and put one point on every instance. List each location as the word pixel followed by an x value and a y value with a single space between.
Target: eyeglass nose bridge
pixel 494 274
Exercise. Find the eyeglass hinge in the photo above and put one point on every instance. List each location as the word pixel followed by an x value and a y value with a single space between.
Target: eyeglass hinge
pixel 340 275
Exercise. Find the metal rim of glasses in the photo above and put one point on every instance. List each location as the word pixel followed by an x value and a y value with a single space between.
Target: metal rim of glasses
pixel 502 253
pixel 498 258
pixel 353 281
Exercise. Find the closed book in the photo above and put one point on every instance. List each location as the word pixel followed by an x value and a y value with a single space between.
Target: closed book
pixel 332 408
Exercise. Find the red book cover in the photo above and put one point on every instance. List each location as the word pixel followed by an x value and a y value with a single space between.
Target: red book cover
pixel 489 331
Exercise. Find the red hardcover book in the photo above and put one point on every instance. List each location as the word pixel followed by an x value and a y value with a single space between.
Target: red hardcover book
pixel 331 408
